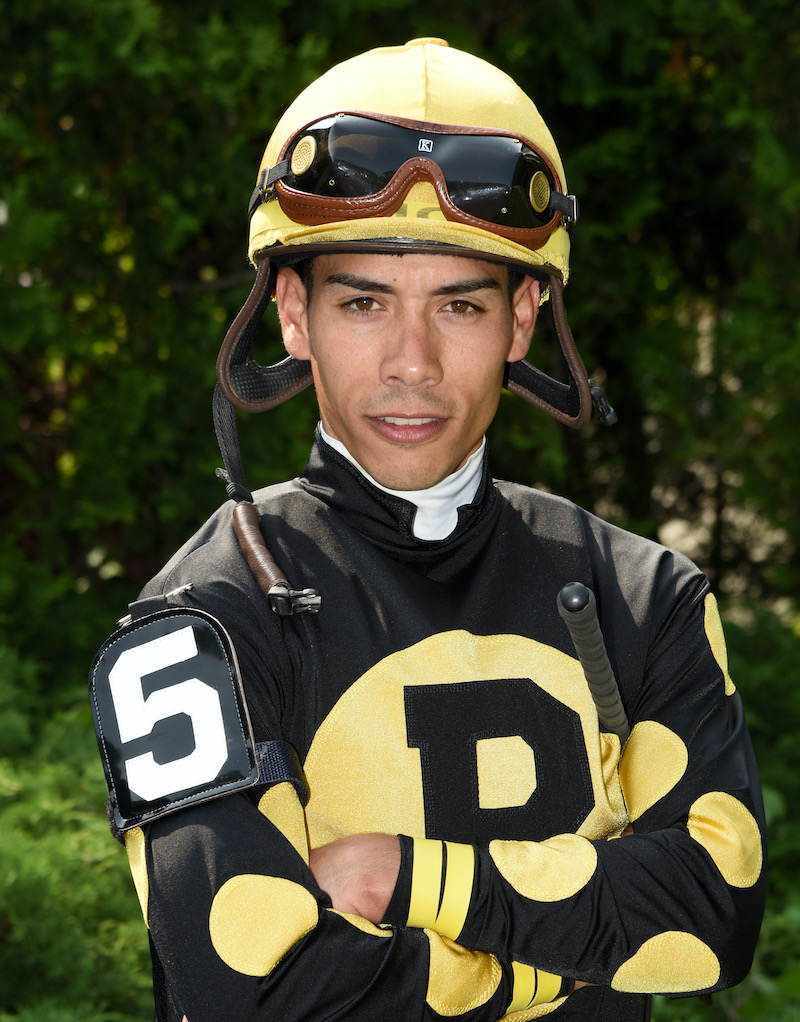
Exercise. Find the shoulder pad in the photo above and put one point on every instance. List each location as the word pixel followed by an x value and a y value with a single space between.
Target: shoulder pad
pixel 170 715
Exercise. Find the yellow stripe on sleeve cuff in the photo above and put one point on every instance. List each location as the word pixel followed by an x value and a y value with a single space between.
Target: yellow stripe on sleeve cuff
pixel 426 882
pixel 532 986
pixel 442 910
pixel 457 890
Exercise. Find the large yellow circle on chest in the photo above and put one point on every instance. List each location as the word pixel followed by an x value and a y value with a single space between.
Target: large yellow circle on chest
pixel 364 776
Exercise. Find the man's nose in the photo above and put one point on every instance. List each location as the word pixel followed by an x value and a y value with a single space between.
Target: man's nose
pixel 412 355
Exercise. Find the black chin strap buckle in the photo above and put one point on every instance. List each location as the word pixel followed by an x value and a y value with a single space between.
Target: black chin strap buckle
pixel 236 491
pixel 602 408
pixel 285 601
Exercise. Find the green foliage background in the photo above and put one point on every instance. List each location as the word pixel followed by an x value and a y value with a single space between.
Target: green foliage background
pixel 130 133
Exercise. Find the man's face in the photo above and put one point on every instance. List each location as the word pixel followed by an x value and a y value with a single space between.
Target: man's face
pixel 407 355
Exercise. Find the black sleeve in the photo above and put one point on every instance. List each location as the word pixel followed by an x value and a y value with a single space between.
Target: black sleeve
pixel 241 931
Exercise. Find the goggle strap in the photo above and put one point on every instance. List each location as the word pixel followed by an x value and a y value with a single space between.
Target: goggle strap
pixel 266 179
pixel 566 204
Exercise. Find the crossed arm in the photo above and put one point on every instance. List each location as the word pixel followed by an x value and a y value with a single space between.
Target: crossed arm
pixel 359 874
pixel 675 908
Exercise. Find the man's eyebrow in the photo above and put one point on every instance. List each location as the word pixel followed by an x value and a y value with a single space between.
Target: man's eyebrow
pixel 357 283
pixel 365 284
pixel 466 286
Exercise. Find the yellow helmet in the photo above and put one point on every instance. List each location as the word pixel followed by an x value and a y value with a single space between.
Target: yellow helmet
pixel 417 100
pixel 419 147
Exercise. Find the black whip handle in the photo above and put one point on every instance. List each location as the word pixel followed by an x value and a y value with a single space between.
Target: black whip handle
pixel 578 608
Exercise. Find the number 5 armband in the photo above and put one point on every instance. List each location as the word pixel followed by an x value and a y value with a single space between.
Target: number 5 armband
pixel 170 715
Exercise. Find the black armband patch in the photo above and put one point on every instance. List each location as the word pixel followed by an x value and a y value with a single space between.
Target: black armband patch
pixel 170 715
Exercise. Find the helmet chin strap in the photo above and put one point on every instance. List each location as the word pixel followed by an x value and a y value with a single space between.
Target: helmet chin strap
pixel 569 403
pixel 252 387
pixel 246 384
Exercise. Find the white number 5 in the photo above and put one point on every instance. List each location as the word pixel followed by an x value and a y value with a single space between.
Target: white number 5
pixel 137 716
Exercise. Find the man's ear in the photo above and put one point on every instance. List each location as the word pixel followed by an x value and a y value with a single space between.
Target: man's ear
pixel 292 300
pixel 524 310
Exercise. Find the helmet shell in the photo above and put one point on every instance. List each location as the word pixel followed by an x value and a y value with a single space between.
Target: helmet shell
pixel 425 80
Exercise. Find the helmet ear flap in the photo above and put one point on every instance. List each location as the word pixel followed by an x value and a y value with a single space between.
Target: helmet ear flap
pixel 246 384
pixel 569 403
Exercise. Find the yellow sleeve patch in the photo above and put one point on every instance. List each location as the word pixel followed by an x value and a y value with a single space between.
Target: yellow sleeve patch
pixel 653 762
pixel 134 846
pixel 548 870
pixel 729 833
pixel 609 817
pixel 256 919
pixel 282 807
pixel 459 980
pixel 671 962
pixel 535 1011
pixel 716 639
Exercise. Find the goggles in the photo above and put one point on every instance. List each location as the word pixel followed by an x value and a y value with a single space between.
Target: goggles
pixel 350 166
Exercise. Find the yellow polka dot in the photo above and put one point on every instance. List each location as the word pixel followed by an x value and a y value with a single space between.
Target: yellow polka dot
pixel 256 919
pixel 459 980
pixel 671 962
pixel 716 639
pixel 362 924
pixel 730 835
pixel 537 1011
pixel 134 846
pixel 281 807
pixel 546 870
pixel 653 762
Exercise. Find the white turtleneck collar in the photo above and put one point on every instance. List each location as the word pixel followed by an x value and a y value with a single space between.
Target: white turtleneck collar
pixel 437 506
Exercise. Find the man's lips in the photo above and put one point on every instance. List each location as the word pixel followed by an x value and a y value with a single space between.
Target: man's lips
pixel 407 429
pixel 407 420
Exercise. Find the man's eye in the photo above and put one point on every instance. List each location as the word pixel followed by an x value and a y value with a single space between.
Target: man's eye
pixel 461 306
pixel 362 304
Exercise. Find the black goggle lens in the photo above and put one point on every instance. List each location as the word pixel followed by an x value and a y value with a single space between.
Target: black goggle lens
pixel 491 177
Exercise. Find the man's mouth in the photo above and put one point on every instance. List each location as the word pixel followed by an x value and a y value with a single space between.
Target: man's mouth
pixel 408 429
pixel 400 420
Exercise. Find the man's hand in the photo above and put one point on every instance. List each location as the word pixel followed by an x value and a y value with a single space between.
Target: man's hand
pixel 358 873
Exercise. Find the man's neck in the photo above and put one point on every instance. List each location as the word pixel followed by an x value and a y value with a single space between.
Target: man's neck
pixel 437 506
